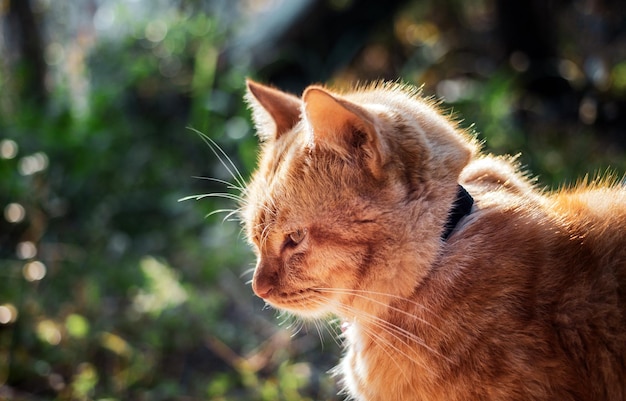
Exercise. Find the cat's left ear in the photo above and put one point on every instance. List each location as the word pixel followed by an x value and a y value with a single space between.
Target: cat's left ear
pixel 343 126
pixel 274 112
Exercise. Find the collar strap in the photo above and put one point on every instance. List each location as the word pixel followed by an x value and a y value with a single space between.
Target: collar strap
pixel 462 207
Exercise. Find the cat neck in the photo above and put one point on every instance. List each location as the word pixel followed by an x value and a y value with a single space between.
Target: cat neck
pixel 378 300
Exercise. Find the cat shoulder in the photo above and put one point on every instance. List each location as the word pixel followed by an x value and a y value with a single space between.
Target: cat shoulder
pixel 488 173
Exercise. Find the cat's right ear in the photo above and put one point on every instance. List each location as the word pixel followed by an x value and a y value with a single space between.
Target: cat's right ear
pixel 274 112
pixel 344 127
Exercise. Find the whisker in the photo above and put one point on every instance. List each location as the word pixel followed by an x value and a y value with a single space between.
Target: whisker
pixel 234 212
pixel 216 211
pixel 360 294
pixel 228 184
pixel 316 323
pixel 299 326
pixel 385 344
pixel 394 296
pixel 331 329
pixel 265 233
pixel 224 195
pixel 246 272
pixel 394 330
pixel 231 212
pixel 241 234
pixel 290 322
pixel 213 146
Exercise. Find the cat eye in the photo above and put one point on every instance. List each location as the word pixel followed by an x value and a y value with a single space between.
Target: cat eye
pixel 297 236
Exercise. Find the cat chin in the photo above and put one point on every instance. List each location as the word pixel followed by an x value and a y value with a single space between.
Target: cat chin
pixel 306 313
pixel 304 310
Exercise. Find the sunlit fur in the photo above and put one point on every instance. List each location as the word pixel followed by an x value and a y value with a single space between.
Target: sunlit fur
pixel 524 301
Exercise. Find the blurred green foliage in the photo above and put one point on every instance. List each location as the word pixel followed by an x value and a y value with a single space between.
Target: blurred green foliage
pixel 125 290
pixel 112 289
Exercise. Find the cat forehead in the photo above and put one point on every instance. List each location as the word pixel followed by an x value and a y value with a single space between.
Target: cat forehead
pixel 279 156
pixel 290 187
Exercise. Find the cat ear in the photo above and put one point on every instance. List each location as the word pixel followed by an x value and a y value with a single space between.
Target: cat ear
pixel 342 126
pixel 274 112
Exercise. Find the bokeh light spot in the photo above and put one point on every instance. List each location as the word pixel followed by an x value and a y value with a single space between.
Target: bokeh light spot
pixel 588 110
pixel 8 149
pixel 104 18
pixel 8 314
pixel 14 213
pixel 156 31
pixel 425 33
pixel 56 381
pixel 26 250
pixel 34 271
pixel 32 164
pixel 519 61
pixel 48 331
pixel 77 326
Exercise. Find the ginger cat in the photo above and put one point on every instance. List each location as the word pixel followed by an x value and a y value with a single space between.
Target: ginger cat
pixel 456 278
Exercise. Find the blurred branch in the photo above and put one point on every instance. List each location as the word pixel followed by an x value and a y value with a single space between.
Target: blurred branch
pixel 25 33
pixel 10 394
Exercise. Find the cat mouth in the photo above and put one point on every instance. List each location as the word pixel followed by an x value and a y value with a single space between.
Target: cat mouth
pixel 302 302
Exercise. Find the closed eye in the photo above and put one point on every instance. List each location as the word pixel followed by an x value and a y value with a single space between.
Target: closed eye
pixel 294 238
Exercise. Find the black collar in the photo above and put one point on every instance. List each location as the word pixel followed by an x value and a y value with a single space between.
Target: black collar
pixel 462 207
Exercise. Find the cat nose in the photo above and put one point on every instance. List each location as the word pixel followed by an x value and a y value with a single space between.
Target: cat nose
pixel 264 279
pixel 262 288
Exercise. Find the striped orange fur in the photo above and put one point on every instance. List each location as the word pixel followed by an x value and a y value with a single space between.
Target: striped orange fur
pixel 524 301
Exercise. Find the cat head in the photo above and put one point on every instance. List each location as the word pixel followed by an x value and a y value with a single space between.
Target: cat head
pixel 350 196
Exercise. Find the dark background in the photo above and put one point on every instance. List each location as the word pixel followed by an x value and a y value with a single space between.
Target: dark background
pixel 111 289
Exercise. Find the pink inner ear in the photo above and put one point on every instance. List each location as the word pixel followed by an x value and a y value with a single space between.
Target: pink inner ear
pixel 326 115
pixel 283 108
pixel 343 126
